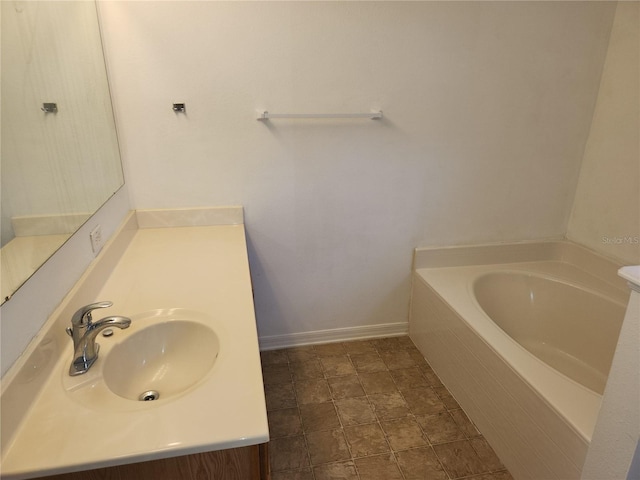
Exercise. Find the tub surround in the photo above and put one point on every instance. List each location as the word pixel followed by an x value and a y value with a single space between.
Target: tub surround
pixel 538 420
pixel 47 429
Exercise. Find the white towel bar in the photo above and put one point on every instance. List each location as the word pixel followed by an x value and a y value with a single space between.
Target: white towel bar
pixel 268 116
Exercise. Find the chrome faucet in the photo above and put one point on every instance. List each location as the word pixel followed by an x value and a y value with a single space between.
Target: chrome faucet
pixel 84 332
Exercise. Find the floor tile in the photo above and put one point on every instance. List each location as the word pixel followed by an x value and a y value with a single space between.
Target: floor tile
pixel 431 376
pixel 273 357
pixel 319 416
pixel 464 423
pixel 486 453
pixel 312 391
pixel 345 387
pixel 337 365
pixel 403 434
pixel 368 363
pixel 417 357
pixel 365 440
pixel 388 406
pixel 440 428
pixel 276 373
pixel 279 396
pixel 359 347
pixel 304 474
pixel 408 378
pixel 329 349
pixel 301 354
pixel 446 397
pixel 336 471
pixel 327 446
pixel 459 459
pixel 397 359
pixel 307 370
pixel 406 342
pixel 288 453
pixel 377 382
pixel 501 475
pixel 420 464
pixel 388 344
pixel 285 422
pixel 423 401
pixel 380 467
pixel 355 411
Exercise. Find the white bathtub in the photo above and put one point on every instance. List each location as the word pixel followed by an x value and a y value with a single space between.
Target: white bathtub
pixel 523 335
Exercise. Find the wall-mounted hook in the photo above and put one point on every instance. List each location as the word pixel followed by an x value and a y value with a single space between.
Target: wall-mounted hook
pixel 179 108
pixel 49 108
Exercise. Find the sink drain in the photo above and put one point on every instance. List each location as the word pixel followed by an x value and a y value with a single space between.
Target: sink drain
pixel 149 396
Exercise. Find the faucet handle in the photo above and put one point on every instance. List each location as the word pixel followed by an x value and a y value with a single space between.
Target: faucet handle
pixel 83 315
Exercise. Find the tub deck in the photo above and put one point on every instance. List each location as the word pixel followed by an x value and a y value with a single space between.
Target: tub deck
pixel 538 420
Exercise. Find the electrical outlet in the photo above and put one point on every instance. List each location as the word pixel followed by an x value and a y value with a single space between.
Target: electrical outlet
pixel 96 239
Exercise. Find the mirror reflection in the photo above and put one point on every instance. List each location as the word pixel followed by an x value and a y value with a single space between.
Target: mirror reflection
pixel 59 153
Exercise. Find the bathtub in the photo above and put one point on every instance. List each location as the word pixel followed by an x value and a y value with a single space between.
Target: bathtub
pixel 523 335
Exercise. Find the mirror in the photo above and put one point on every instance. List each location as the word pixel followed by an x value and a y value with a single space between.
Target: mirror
pixel 60 159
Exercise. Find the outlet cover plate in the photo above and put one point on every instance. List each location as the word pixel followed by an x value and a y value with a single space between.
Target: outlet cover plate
pixel 96 239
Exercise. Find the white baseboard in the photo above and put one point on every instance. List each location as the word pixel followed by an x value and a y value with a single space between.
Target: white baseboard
pixel 274 342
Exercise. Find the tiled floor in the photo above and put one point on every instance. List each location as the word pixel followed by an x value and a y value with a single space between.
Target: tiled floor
pixel 368 410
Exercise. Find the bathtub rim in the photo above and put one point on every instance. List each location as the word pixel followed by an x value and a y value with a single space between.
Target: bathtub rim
pixel 561 250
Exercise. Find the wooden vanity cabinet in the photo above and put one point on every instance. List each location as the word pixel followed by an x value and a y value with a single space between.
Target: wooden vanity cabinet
pixel 243 463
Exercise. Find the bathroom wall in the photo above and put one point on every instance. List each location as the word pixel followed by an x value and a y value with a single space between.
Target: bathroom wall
pixel 606 211
pixel 487 110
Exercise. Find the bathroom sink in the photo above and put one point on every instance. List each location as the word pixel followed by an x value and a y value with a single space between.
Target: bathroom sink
pixel 161 360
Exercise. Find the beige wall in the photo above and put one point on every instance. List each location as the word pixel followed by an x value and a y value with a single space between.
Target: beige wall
pixel 606 210
pixel 487 109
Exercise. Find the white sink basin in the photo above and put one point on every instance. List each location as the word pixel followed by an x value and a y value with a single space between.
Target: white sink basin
pixel 164 354
pixel 161 360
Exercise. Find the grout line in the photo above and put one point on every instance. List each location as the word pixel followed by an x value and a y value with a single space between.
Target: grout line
pixel 304 433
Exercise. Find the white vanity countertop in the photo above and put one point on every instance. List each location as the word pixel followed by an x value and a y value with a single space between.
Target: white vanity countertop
pixel 202 268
